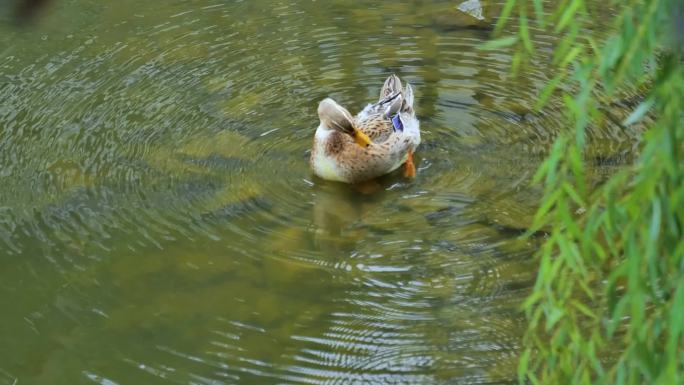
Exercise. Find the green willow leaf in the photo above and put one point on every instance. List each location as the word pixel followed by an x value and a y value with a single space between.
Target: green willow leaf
pixel 522 367
pixel 503 18
pixel 568 14
pixel 525 33
pixel 548 90
pixel 499 43
pixel 570 56
pixel 639 112
pixel 539 12
pixel 583 309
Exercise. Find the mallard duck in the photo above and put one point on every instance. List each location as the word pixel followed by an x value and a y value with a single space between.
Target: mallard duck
pixel 378 140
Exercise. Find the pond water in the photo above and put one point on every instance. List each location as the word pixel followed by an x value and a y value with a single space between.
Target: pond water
pixel 159 222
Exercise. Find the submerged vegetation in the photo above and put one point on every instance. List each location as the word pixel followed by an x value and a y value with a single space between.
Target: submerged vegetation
pixel 608 303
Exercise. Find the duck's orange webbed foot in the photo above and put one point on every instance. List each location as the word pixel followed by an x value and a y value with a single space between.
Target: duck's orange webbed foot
pixel 409 167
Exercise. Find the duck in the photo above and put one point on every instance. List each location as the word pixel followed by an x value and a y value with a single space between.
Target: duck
pixel 375 142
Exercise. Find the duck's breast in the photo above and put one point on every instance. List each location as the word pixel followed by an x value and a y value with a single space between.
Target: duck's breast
pixel 323 162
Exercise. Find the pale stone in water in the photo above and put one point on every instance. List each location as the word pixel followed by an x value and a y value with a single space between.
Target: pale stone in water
pixel 472 8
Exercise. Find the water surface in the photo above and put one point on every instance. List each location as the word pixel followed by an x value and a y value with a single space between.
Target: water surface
pixel 159 224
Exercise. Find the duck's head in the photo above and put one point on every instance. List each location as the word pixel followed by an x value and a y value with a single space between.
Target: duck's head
pixel 335 117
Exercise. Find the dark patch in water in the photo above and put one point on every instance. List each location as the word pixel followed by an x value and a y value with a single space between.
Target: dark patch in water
pixel 402 208
pixel 376 230
pixel 612 160
pixel 239 209
pixel 446 212
pixel 510 231
pixel 446 245
pixel 216 161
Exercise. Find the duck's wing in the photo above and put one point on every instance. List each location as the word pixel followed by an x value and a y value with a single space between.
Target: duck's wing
pixel 384 118
pixel 377 126
pixel 381 120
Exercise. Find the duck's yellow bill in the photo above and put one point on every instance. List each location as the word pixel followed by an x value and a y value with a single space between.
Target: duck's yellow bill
pixel 361 139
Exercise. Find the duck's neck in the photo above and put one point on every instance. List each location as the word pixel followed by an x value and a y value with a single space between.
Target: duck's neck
pixel 322 133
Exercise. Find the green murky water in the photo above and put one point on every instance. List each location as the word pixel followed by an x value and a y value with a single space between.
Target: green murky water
pixel 159 224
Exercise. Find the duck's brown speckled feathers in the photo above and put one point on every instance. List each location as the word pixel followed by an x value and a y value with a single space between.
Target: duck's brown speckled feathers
pixel 337 156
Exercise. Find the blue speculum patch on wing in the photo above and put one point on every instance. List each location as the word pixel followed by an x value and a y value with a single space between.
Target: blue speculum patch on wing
pixel 396 122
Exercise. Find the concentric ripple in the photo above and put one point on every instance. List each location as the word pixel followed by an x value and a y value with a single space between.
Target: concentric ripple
pixel 159 224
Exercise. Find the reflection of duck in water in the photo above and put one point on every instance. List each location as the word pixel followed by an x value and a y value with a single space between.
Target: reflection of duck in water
pixel 339 216
pixel 375 142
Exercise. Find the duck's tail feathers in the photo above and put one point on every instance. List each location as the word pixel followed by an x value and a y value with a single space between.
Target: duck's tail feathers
pixel 407 105
pixel 391 87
